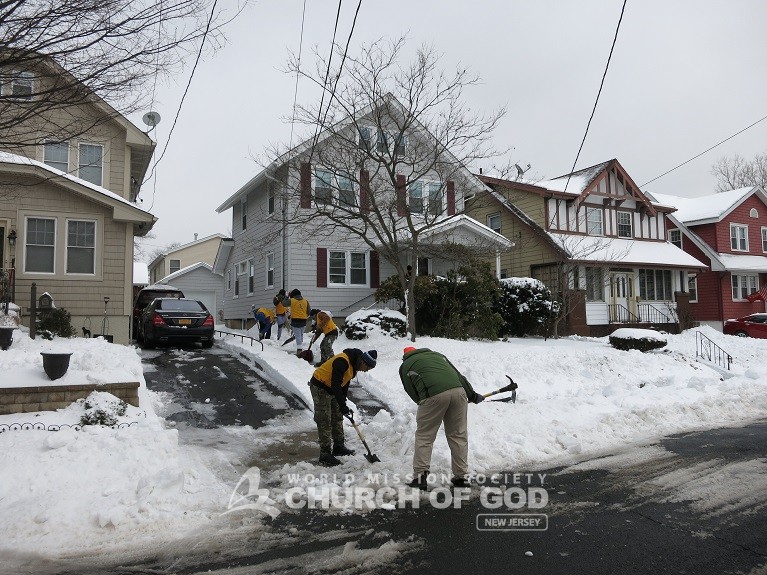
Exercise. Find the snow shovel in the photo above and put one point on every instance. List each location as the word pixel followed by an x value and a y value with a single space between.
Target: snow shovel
pixel 287 341
pixel 512 387
pixel 372 458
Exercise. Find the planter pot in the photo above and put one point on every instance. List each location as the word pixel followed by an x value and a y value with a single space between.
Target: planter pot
pixel 6 337
pixel 55 364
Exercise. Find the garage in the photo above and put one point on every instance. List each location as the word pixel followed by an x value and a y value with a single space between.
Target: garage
pixel 208 299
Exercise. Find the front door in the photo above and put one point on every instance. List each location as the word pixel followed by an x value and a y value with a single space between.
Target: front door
pixel 622 301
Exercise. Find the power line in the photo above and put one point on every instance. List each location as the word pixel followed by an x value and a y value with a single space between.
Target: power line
pixel 298 75
pixel 704 151
pixel 601 85
pixel 183 96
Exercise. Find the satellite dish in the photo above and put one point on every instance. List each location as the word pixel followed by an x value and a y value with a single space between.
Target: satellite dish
pixel 151 119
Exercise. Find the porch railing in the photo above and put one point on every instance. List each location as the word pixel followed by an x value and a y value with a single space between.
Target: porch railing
pixel 651 314
pixel 708 350
pixel 621 314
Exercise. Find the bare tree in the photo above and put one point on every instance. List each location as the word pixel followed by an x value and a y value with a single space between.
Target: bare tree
pixel 737 172
pixel 401 135
pixel 55 56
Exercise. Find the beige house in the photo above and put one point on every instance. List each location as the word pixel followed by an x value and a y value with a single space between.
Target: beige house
pixel 200 250
pixel 69 178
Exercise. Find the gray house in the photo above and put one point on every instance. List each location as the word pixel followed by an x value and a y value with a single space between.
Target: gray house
pixel 199 281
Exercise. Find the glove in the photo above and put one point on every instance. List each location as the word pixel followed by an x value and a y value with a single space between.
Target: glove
pixel 478 398
pixel 347 411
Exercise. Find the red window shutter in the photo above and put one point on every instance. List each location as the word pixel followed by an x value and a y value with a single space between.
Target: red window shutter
pixel 322 267
pixel 450 198
pixel 364 190
pixel 374 270
pixel 401 195
pixel 306 185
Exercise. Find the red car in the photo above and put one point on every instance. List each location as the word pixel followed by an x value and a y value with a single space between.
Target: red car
pixel 754 325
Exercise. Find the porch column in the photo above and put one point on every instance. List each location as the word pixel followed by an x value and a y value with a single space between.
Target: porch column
pixel 498 264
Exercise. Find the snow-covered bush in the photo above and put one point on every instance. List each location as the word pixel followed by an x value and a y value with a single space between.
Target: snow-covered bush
pixel 363 323
pixel 526 305
pixel 102 408
pixel 643 340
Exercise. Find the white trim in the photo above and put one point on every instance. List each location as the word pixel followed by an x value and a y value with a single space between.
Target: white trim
pixel 348 269
pixel 24 244
pixel 744 227
pixel 67 246
pixel 80 165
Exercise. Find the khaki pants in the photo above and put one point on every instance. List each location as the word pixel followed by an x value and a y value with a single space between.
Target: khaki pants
pixel 327 416
pixel 449 407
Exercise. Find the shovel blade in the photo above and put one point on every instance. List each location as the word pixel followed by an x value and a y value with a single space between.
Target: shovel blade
pixel 372 458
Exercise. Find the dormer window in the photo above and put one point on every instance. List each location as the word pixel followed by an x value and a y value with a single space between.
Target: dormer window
pixel 19 86
pixel 594 222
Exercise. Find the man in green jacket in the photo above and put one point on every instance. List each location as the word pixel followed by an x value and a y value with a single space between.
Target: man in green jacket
pixel 442 395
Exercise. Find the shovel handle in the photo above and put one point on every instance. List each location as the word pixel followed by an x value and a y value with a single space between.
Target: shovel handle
pixel 511 387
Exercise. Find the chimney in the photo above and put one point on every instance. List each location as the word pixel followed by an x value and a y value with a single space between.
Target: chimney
pixel 195 237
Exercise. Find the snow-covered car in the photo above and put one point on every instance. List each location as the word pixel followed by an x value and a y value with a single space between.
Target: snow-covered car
pixel 754 325
pixel 176 320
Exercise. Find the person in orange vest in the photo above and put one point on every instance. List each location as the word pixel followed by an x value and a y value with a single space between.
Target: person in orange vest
pixel 265 318
pixel 299 313
pixel 324 324
pixel 329 385
pixel 281 304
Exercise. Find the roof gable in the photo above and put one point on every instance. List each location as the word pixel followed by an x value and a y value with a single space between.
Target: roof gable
pixel 712 208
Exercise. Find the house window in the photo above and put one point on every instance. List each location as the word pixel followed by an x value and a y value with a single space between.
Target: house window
pixel 595 284
pixel 323 186
pixel 692 288
pixel 743 286
pixel 594 221
pixel 764 240
pixel 435 198
pixel 346 194
pixel 229 280
pixel 416 197
pixel 40 245
pixel 239 277
pixel 655 285
pixel 56 155
pixel 270 269
pixel 754 213
pixel 624 225
pixel 739 237
pixel 91 163
pixel 251 276
pixel 382 142
pixel 271 200
pixel 504 274
pixel 174 266
pixel 20 86
pixel 244 213
pixel 400 144
pixel 675 237
pixel 81 247
pixel 348 268
pixel 423 267
pixel 366 139
pixel 494 222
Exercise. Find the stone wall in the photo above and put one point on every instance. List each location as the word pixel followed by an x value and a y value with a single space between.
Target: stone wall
pixel 53 397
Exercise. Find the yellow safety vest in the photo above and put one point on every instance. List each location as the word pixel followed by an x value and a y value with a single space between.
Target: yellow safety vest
pixel 325 322
pixel 299 308
pixel 324 373
pixel 280 309
pixel 267 312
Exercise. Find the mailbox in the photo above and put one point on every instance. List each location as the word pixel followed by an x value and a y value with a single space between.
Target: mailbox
pixel 45 301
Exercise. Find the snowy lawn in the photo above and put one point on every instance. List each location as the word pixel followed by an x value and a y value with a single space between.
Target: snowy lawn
pixel 95 491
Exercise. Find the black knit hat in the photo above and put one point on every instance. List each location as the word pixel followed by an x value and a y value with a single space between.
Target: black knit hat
pixel 294 293
pixel 370 358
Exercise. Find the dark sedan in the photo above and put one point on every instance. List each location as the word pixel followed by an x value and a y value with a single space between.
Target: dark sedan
pixel 754 325
pixel 176 320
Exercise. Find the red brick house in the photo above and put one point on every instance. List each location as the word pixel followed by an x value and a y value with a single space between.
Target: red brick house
pixel 728 232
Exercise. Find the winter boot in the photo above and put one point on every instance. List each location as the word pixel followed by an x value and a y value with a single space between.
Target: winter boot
pixel 460 482
pixel 328 460
pixel 419 481
pixel 340 449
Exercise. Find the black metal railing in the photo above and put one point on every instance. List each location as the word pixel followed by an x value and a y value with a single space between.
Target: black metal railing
pixel 242 337
pixel 651 314
pixel 39 426
pixel 7 286
pixel 621 314
pixel 708 350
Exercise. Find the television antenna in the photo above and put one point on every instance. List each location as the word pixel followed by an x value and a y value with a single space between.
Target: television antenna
pixel 151 119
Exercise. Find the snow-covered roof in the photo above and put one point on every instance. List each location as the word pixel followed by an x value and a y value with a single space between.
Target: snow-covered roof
pixel 185 270
pixel 625 251
pixel 734 262
pixel 578 181
pixel 707 209
pixel 8 158
pixel 467 223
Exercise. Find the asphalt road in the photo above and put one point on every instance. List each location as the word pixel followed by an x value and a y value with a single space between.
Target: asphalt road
pixel 694 503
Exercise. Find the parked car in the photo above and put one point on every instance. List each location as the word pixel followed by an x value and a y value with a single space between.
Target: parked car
pixel 176 320
pixel 754 325
pixel 145 297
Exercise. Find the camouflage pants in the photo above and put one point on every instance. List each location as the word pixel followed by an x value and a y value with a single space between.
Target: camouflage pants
pixel 327 416
pixel 326 347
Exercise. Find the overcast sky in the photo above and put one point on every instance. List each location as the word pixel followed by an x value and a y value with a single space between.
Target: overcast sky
pixel 684 76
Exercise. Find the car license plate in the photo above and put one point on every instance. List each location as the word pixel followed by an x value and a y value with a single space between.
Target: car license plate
pixel 185 322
